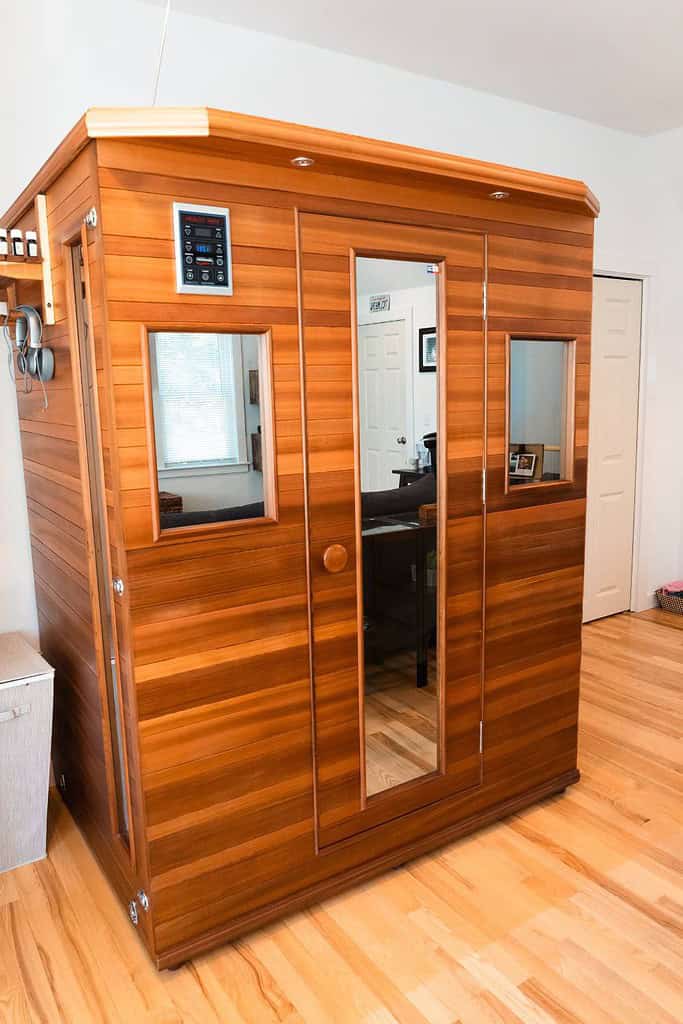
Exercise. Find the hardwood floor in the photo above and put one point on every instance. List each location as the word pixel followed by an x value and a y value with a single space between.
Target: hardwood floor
pixel 401 723
pixel 665 618
pixel 571 911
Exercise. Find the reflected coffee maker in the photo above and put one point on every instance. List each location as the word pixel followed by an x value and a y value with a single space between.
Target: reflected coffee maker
pixel 429 441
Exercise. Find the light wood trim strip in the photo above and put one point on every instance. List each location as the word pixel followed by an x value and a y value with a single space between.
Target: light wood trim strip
pixel 147 122
pixel 44 237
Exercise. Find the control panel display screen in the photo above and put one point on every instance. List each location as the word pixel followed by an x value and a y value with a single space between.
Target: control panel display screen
pixel 203 249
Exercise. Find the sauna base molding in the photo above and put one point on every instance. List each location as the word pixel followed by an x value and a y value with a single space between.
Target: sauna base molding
pixel 176 957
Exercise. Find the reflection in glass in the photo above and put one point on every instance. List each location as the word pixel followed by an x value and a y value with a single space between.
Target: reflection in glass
pixel 397 404
pixel 539 374
pixel 208 426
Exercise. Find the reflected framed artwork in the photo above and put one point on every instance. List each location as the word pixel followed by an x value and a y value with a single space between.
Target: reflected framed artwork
pixel 427 350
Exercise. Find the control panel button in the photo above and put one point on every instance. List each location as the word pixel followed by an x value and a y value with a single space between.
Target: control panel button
pixel 189 258
pixel 189 274
pixel 220 277
pixel 219 261
pixel 206 276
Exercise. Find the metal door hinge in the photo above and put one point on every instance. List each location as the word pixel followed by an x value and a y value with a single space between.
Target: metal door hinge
pixel 90 219
pixel 481 737
pixel 119 586
pixel 485 302
pixel 143 900
pixel 133 912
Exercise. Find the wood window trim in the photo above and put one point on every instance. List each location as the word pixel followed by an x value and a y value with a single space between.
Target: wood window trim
pixel 568 442
pixel 177 534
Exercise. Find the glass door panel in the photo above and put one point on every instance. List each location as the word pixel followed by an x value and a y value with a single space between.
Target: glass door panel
pixel 397 386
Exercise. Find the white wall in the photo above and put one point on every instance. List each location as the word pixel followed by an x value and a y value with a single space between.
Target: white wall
pixel 77 54
pixel 661 511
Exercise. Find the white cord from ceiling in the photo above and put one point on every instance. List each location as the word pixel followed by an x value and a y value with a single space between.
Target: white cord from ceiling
pixel 162 47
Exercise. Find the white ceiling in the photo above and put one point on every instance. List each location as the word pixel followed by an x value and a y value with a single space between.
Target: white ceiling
pixel 615 62
pixel 377 275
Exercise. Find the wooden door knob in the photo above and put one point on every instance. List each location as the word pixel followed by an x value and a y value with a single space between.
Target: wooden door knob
pixel 335 558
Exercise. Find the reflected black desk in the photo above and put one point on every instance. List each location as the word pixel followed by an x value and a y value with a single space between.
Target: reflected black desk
pixel 379 532
pixel 516 479
pixel 409 476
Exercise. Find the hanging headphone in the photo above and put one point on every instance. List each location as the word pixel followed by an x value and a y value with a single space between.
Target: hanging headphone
pixel 32 358
pixel 34 362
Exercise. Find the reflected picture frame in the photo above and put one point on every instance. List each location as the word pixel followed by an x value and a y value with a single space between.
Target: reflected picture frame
pixel 525 464
pixel 427 346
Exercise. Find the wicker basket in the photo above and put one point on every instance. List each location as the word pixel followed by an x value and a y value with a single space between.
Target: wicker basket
pixel 169 502
pixel 669 602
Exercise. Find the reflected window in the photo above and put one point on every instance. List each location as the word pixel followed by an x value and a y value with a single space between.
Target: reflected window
pixel 210 426
pixel 397 363
pixel 540 410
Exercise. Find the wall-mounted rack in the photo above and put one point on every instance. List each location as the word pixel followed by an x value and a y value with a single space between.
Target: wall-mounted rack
pixel 14 271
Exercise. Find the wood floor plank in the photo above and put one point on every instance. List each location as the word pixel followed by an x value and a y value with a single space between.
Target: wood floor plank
pixel 568 913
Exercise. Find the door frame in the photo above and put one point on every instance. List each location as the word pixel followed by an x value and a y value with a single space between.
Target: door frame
pixel 100 573
pixel 640 598
pixel 351 812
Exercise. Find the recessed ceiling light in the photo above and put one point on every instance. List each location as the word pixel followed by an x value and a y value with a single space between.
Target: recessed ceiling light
pixel 303 161
pixel 499 195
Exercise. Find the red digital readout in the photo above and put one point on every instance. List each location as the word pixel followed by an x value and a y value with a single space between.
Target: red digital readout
pixel 192 218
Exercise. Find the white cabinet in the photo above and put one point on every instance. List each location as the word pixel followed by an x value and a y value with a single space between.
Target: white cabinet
pixel 26 685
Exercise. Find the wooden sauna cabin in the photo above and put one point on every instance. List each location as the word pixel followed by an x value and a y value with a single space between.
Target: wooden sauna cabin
pixel 306 503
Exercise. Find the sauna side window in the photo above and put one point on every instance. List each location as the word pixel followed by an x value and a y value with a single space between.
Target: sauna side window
pixel 213 434
pixel 540 448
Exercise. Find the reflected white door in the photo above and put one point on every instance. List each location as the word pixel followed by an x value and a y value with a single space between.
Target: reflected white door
pixel 385 415
pixel 615 373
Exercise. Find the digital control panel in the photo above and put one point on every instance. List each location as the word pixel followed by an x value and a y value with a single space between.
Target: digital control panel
pixel 203 251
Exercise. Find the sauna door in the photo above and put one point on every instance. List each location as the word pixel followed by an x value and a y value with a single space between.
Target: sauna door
pixel 393 352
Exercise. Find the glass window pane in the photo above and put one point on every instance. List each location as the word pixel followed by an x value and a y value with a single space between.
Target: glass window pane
pixel 209 426
pixel 398 357
pixel 539 409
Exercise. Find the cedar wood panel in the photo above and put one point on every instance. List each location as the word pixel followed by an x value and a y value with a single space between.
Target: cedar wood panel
pixel 61 533
pixel 214 629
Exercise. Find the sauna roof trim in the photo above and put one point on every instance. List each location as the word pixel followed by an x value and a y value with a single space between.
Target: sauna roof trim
pixel 206 122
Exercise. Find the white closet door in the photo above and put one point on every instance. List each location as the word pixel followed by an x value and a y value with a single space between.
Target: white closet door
pixel 615 372
pixel 385 419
